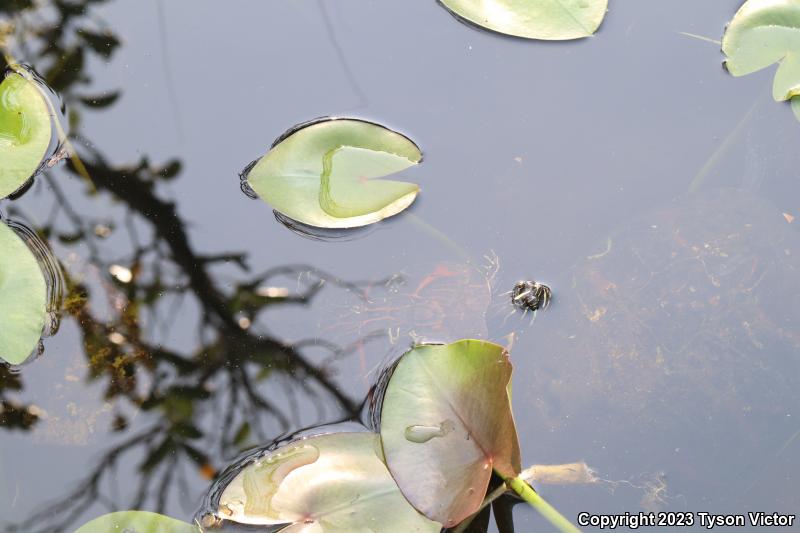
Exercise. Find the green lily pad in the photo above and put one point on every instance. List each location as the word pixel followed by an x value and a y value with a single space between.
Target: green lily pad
pixel 25 129
pixel 137 522
pixel 764 32
pixel 23 298
pixel 446 423
pixel 332 483
pixel 322 174
pixel 554 20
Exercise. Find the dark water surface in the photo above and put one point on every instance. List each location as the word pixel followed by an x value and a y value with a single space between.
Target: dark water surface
pixel 668 360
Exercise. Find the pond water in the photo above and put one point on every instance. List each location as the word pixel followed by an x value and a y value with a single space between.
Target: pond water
pixel 652 192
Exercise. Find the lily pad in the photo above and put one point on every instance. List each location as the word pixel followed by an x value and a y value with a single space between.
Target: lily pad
pixel 322 173
pixel 554 20
pixel 332 483
pixel 25 129
pixel 446 423
pixel 764 32
pixel 137 522
pixel 23 298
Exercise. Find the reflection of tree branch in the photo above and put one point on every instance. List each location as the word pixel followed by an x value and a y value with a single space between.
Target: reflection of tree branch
pixel 84 495
pixel 259 400
pixel 138 193
pixel 221 381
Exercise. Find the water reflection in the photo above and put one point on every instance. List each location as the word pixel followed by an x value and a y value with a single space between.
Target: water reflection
pixel 181 404
pixel 176 409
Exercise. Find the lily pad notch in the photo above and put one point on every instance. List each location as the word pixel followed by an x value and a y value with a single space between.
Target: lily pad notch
pixel 324 173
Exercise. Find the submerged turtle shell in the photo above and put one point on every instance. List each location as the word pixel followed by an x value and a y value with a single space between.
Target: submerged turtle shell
pixel 692 305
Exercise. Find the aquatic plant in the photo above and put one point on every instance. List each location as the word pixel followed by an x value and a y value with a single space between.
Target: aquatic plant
pixel 23 298
pixel 557 20
pixel 322 173
pixel 764 32
pixel 444 429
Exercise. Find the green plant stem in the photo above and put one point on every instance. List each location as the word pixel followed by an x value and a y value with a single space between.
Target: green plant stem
pixel 549 512
pixel 723 148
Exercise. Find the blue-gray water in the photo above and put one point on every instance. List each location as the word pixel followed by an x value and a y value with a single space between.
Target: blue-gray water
pixel 540 153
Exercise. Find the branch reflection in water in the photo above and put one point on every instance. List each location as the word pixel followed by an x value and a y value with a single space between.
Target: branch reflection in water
pixel 194 409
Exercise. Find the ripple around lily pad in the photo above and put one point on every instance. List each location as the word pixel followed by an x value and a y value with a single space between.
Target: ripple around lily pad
pixel 31 292
pixel 325 174
pixel 31 129
pixel 334 481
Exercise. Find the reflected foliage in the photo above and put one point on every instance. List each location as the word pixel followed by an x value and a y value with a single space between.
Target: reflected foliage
pixel 201 406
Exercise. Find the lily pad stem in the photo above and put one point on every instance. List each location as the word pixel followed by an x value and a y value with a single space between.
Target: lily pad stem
pixel 526 492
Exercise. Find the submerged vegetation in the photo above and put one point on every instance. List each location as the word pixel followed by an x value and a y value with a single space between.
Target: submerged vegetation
pixel 434 443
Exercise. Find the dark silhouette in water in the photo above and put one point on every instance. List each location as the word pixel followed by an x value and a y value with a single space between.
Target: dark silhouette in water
pixel 201 404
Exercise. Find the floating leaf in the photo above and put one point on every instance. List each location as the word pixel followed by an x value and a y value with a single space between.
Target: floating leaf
pixel 23 298
pixel 446 423
pixel 557 20
pixel 25 129
pixel 138 522
pixel 331 483
pixel 764 32
pixel 321 174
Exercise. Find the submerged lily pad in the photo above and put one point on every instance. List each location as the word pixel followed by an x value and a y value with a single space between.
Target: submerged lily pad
pixel 25 129
pixel 764 32
pixel 137 522
pixel 446 423
pixel 322 174
pixel 331 483
pixel 556 20
pixel 23 298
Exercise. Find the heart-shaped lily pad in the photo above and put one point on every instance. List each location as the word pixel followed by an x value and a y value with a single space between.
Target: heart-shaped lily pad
pixel 533 19
pixel 764 32
pixel 137 522
pixel 322 174
pixel 23 298
pixel 327 483
pixel 25 129
pixel 446 423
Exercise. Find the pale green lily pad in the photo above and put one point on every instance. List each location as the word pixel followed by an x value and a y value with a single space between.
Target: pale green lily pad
pixel 327 483
pixel 25 129
pixel 23 298
pixel 137 522
pixel 446 423
pixel 323 174
pixel 764 32
pixel 555 20
pixel 796 106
